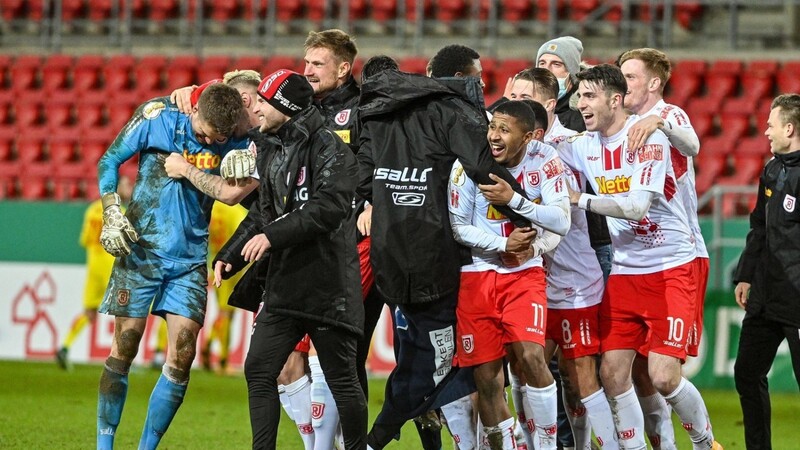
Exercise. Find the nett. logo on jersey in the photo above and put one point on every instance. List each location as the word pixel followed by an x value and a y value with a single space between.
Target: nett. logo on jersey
pixel 203 161
pixel 613 186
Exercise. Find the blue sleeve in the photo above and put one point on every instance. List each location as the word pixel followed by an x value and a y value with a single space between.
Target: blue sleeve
pixel 129 141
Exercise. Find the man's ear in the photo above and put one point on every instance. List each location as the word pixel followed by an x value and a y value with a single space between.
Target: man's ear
pixel 247 100
pixel 344 69
pixel 655 84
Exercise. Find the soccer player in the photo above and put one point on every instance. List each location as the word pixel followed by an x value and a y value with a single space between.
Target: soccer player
pixel 767 285
pixel 650 295
pixel 502 304
pixel 98 268
pixel 162 245
pixel 646 72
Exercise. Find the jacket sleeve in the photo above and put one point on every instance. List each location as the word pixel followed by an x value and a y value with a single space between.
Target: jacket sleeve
pixel 466 135
pixel 335 176
pixel 756 239
pixel 231 252
pixel 366 164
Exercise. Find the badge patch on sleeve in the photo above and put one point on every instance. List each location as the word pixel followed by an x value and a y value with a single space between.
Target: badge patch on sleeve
pixel 788 203
pixel 344 135
pixel 153 110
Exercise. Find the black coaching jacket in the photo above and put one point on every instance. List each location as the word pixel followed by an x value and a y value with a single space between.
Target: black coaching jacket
pixel 305 208
pixel 412 130
pixel 770 261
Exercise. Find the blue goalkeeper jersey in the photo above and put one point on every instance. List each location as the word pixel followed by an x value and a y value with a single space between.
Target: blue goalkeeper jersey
pixel 171 216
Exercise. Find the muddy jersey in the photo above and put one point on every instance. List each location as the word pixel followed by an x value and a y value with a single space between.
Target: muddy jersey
pixel 541 175
pixel 684 169
pixel 662 239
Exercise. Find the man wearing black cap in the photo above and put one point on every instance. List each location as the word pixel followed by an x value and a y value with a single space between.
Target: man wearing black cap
pixel 304 219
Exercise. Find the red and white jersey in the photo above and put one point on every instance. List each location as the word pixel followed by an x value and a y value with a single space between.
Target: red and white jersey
pixel 684 169
pixel 662 239
pixel 558 133
pixel 485 229
pixel 574 277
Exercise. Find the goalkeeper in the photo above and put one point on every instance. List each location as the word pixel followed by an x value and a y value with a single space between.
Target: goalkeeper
pixel 161 243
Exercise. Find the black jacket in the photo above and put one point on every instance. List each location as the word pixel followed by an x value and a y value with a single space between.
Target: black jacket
pixel 305 210
pixel 412 130
pixel 339 110
pixel 771 258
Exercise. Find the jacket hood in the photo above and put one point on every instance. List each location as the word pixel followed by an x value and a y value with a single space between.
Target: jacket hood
pixel 790 159
pixel 392 90
pixel 301 126
pixel 339 96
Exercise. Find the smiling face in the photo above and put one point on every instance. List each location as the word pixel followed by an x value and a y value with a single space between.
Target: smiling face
pixel 639 83
pixel 777 133
pixel 324 71
pixel 596 107
pixel 507 139
pixel 270 119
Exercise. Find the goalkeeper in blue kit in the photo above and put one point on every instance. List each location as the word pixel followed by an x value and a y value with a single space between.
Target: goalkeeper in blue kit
pixel 162 240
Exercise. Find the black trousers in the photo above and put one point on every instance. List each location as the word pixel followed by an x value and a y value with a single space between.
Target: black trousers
pixel 273 339
pixel 373 307
pixel 423 380
pixel 758 344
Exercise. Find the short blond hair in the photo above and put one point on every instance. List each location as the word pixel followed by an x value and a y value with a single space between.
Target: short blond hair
pixel 338 42
pixel 236 78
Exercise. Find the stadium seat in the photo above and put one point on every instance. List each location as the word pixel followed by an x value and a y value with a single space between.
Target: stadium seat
pixel 252 62
pixel 543 10
pixel 117 73
pixel 703 106
pixel 12 9
pixel 62 145
pixel 181 71
pixel 59 109
pixel 6 106
pixel 213 67
pixel 222 11
pixel 89 110
pixel 702 123
pixel 411 9
pixel 383 10
pixel 787 78
pixel 5 64
pixel 68 179
pixel 450 10
pixel 278 62
pixel 516 10
pixel 762 114
pixel 149 75
pixel 9 174
pixel 413 64
pixel 35 185
pixel 161 10
pixel 687 12
pixel 31 148
pixel 316 10
pixel 288 10
pixel 686 80
pixel 7 137
pixel 758 79
pixel 722 78
pixel 24 72
pixel 124 104
pixel 55 72
pixel 735 116
pixel 28 110
pixel 93 146
pixel 86 75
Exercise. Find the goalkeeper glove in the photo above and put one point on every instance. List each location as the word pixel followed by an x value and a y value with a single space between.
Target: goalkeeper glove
pixel 117 233
pixel 238 166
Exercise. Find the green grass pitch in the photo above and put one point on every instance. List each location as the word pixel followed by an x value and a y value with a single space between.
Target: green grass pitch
pixel 46 408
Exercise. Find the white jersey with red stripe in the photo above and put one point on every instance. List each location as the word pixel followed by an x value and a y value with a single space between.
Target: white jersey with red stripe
pixel 558 133
pixel 540 174
pixel 662 239
pixel 684 169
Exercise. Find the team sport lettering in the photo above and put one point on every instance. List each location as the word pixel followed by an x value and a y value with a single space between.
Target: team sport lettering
pixel 407 174
pixel 618 185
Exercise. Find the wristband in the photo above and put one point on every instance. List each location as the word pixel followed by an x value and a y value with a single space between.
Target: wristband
pixel 588 204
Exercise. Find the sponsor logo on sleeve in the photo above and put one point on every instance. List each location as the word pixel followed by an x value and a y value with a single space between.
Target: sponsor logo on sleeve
pixel 344 135
pixel 153 110
pixel 552 168
pixel 651 152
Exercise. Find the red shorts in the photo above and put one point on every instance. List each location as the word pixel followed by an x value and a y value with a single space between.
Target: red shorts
pixel 496 309
pixel 367 277
pixel 696 332
pixel 575 331
pixel 651 312
pixel 304 345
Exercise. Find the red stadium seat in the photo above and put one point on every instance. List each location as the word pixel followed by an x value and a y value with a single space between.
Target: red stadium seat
pixel 59 111
pixel 787 78
pixel 55 72
pixel 543 9
pixel 161 10
pixel 31 148
pixel 686 80
pixel 5 64
pixel 315 10
pixel 28 110
pixel 702 123
pixel 735 116
pixel 9 175
pixel 411 9
pixel 250 62
pixel 383 10
pixel 149 73
pixel 25 72
pixel 117 73
pixel 68 179
pixel 722 78
pixel 6 106
pixel 450 10
pixel 125 103
pixel 278 62
pixel 62 146
pixel 90 108
pixel 93 146
pixel 223 10
pixel 687 12
pixel 86 75
pixel 35 185
pixel 213 67
pixel 516 10
pixel 182 71
pixel 288 10
pixel 7 142
pixel 413 64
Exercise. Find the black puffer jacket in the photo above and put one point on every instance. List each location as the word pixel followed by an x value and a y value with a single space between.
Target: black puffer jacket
pixel 305 210
pixel 340 111
pixel 771 258
pixel 413 129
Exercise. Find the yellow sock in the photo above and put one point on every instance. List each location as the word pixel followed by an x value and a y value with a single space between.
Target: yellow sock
pixel 77 326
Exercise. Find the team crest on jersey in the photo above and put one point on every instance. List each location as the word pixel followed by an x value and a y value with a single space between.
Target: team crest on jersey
pixel 468 343
pixel 788 203
pixel 123 297
pixel 343 117
pixel 153 110
pixel 630 155
pixel 533 178
pixel 458 176
pixel 301 176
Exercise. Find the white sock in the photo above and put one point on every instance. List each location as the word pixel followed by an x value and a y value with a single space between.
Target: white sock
pixel 523 413
pixel 658 422
pixel 602 422
pixel 630 422
pixel 504 431
pixel 299 393
pixel 284 398
pixel 458 416
pixel 543 403
pixel 578 421
pixel 688 404
pixel 324 414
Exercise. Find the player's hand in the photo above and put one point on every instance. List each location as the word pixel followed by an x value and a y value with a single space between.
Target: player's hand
pixel 238 166
pixel 117 233
pixel 642 130
pixel 256 247
pixel 520 239
pixel 182 97
pixel 516 259
pixel 364 222
pixel 574 196
pixel 742 292
pixel 507 90
pixel 499 193
pixel 175 165
pixel 219 266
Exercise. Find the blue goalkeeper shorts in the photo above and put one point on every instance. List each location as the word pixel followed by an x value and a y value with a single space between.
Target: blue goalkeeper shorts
pixel 143 283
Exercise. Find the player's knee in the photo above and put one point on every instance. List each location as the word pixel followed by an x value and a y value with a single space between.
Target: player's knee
pixel 612 377
pixel 185 348
pixel 117 365
pixel 128 344
pixel 176 375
